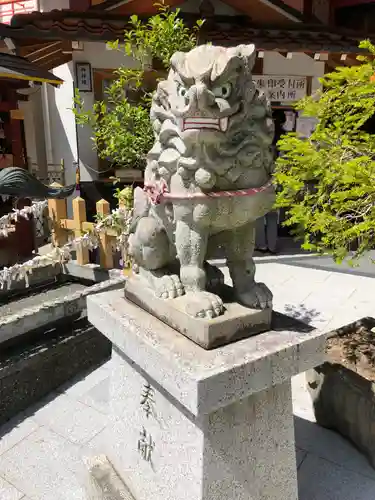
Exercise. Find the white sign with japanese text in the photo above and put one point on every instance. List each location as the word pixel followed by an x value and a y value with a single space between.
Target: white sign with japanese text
pixel 9 8
pixel 281 88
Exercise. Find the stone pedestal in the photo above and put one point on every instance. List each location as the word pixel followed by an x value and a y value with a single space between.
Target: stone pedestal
pixel 237 322
pixel 191 424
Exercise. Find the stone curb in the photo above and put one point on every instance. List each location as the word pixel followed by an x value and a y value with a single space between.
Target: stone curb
pixel 50 311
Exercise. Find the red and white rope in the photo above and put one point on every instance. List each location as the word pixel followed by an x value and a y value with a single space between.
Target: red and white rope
pixel 158 193
pixel 90 240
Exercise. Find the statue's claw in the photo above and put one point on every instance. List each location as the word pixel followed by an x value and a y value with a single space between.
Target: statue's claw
pixel 257 297
pixel 204 305
pixel 169 287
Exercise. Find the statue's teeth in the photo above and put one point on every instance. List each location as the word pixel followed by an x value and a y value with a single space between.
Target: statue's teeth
pixel 200 122
pixel 224 124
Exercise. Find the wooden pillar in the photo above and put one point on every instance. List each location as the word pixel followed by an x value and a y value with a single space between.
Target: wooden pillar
pixel 79 217
pixel 126 201
pixel 57 211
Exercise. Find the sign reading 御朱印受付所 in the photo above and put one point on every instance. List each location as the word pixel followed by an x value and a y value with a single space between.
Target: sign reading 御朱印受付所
pixel 282 88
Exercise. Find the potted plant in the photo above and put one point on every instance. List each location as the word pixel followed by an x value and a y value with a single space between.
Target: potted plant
pixel 121 127
pixel 327 186
pixel 342 388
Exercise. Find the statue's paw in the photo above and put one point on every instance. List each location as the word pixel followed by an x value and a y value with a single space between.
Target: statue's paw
pixel 204 305
pixel 257 297
pixel 169 287
pixel 215 278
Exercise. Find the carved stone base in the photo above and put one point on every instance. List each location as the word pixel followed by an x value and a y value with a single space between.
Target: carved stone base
pixel 191 424
pixel 237 322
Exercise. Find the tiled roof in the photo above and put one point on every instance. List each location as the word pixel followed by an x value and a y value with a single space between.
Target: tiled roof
pixel 308 39
pixel 67 25
pixel 15 67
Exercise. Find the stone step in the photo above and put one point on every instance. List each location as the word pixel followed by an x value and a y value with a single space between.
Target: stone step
pixel 42 360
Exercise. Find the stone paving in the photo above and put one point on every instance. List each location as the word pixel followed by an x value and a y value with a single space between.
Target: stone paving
pixel 41 451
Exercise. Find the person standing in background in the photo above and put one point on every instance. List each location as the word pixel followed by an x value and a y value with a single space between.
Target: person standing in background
pixel 267 226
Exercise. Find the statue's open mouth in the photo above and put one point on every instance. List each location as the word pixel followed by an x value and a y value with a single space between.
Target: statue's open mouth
pixel 198 122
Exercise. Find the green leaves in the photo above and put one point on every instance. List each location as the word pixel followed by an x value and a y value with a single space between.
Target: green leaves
pixel 327 181
pixel 159 37
pixel 122 132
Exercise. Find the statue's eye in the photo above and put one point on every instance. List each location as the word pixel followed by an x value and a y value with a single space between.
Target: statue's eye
pixel 224 90
pixel 182 91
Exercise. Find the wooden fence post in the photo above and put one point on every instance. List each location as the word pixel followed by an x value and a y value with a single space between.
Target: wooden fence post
pixel 57 211
pixel 105 249
pixel 79 217
pixel 126 202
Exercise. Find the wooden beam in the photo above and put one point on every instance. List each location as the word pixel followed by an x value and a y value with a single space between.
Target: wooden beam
pixel 58 51
pixel 308 9
pixel 140 7
pixel 330 65
pixel 32 47
pixel 351 61
pixel 334 61
pixel 55 60
pixel 79 5
pixel 309 80
pixel 46 56
pixel 265 11
pixel 33 56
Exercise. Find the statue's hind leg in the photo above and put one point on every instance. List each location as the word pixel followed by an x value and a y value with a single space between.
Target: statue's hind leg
pixel 215 277
pixel 153 254
pixel 239 248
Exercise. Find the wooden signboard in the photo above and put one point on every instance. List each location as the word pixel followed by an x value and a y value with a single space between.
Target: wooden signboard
pixel 282 88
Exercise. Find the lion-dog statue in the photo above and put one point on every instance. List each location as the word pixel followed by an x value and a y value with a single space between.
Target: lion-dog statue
pixel 207 180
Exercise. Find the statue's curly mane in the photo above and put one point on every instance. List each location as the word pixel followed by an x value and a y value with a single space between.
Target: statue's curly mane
pixel 246 144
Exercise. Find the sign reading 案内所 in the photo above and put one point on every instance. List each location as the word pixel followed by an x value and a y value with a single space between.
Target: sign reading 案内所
pixel 282 88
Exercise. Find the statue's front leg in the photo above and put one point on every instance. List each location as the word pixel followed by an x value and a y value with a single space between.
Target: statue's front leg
pixel 191 246
pixel 239 246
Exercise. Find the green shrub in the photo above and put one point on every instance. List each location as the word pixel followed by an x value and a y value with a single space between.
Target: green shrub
pixel 122 131
pixel 327 181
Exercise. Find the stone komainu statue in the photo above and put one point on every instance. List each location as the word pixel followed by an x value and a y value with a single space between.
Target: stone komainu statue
pixel 208 178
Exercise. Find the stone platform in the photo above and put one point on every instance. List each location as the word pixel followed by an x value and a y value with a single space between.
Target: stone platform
pixel 237 322
pixel 193 424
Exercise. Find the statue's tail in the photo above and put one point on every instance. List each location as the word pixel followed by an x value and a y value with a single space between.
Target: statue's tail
pixel 19 182
pixel 141 207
